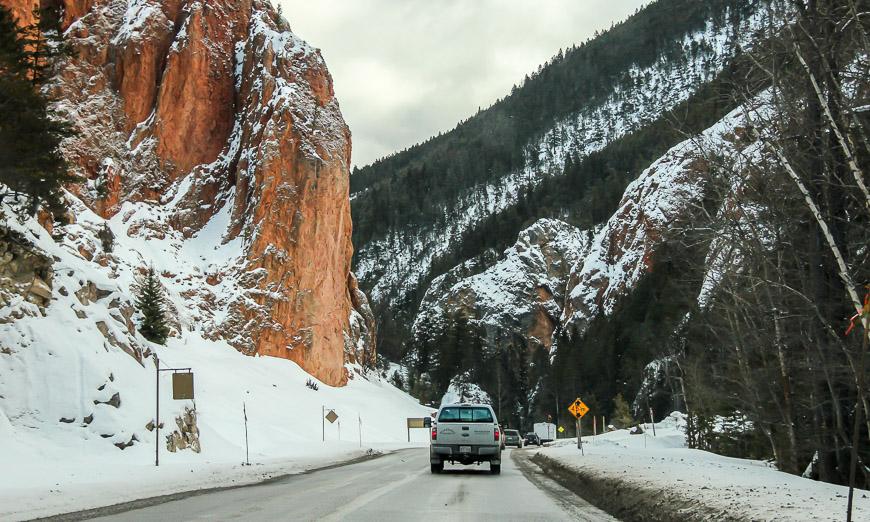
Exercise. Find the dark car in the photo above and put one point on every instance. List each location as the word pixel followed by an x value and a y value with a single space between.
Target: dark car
pixel 512 438
pixel 532 438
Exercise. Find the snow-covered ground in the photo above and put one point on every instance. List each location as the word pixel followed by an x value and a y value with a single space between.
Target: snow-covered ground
pixel 76 382
pixel 665 468
pixel 51 467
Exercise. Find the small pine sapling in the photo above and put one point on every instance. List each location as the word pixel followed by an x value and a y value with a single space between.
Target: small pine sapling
pixel 150 303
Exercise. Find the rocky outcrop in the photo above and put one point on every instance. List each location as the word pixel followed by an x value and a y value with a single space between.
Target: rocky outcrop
pixel 360 344
pixel 22 10
pixel 214 115
pixel 662 203
pixel 186 436
pixel 521 295
pixel 25 272
pixel 652 209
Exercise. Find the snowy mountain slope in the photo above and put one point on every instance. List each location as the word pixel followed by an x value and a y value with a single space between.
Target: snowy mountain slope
pixel 506 306
pixel 657 206
pixel 395 265
pixel 77 381
pixel 521 294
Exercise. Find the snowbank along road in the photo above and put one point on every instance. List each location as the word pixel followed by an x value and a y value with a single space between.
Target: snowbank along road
pixel 398 486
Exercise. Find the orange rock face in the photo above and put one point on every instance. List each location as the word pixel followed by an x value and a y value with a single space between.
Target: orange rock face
pixel 22 10
pixel 195 109
pixel 201 109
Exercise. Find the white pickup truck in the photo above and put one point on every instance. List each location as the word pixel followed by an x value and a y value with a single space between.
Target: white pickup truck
pixel 465 433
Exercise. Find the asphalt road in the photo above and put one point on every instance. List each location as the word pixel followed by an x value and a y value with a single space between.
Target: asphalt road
pixel 398 486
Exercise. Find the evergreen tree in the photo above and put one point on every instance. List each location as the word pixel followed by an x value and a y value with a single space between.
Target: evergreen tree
pixel 32 168
pixel 150 303
pixel 621 415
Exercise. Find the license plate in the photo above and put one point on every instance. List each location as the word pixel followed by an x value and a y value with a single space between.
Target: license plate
pixel 464 449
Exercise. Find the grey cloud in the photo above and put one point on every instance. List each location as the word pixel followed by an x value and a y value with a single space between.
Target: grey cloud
pixel 406 69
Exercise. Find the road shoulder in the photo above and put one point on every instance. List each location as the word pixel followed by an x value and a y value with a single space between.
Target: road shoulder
pixel 625 500
pixel 123 507
pixel 570 499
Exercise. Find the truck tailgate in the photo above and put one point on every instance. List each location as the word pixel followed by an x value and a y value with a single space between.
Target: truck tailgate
pixel 473 434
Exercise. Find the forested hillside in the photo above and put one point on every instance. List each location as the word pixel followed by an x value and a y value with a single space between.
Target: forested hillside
pixel 563 144
pixel 714 190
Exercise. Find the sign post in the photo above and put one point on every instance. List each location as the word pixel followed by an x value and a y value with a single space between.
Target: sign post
pixel 331 417
pixel 580 434
pixel 182 389
pixel 415 422
pixel 578 409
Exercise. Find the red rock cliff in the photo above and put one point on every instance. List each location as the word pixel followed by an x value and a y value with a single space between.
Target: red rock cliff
pixel 215 115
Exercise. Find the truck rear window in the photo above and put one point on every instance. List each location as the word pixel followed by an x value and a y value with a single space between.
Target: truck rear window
pixel 465 414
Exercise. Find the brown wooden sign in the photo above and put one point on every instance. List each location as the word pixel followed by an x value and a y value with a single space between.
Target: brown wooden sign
pixel 416 422
pixel 182 386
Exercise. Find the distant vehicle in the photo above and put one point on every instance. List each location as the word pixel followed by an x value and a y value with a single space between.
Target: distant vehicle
pixel 546 431
pixel 532 438
pixel 512 438
pixel 467 434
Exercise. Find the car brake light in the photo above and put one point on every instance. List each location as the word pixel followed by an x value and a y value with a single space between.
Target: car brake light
pixel 434 433
pixel 497 434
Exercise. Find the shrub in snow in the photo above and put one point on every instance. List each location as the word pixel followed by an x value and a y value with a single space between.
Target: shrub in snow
pixel 621 414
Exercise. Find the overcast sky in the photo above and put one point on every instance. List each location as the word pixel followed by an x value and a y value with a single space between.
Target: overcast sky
pixel 406 69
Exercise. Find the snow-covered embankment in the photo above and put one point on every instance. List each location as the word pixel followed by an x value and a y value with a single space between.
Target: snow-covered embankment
pixel 642 477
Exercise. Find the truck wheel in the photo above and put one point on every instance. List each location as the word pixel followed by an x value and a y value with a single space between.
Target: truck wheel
pixel 495 469
pixel 437 468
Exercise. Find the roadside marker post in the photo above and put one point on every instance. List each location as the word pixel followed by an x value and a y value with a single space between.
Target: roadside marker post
pixel 247 454
pixel 182 389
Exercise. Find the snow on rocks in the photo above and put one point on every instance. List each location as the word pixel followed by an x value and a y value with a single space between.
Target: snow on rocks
pixel 659 476
pixel 393 266
pixel 77 382
pixel 654 208
pixel 461 391
pixel 213 122
pixel 520 294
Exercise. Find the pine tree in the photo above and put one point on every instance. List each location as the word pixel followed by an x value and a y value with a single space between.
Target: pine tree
pixel 621 415
pixel 150 303
pixel 32 168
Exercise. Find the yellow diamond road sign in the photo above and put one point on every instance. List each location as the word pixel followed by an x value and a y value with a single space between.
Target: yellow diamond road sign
pixel 578 408
pixel 561 429
pixel 331 416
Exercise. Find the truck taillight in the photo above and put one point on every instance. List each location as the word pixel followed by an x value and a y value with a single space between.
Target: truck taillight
pixel 496 434
pixel 434 433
